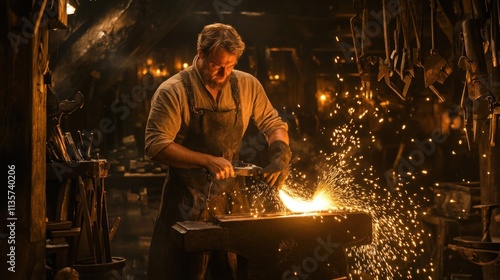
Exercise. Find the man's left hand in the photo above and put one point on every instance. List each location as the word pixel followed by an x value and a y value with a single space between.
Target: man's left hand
pixel 279 158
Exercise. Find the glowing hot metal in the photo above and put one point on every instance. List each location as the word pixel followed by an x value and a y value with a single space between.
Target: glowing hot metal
pixel 321 201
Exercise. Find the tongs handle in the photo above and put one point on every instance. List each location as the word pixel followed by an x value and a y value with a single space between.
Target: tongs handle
pixel 247 169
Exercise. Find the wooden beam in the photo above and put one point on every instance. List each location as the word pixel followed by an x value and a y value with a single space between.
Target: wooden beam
pixel 112 41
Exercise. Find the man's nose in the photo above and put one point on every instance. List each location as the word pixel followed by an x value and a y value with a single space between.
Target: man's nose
pixel 224 71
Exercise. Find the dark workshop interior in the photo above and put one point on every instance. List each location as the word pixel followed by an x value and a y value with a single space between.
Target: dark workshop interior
pixel 392 113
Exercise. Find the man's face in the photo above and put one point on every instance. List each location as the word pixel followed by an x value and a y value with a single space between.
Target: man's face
pixel 216 68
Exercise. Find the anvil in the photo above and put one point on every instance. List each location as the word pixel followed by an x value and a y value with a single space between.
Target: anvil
pixel 278 246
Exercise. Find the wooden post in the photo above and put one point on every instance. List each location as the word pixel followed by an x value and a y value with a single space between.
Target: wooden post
pixel 23 57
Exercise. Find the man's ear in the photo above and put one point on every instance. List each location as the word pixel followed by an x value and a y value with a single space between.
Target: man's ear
pixel 200 54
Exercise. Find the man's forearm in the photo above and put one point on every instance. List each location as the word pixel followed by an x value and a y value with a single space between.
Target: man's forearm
pixel 175 155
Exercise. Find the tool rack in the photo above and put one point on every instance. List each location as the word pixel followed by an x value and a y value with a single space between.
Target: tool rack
pixel 79 212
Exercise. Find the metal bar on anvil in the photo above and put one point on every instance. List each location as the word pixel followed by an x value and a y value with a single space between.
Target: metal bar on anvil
pixel 274 244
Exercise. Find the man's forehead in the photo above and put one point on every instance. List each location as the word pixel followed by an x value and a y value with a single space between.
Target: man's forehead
pixel 222 55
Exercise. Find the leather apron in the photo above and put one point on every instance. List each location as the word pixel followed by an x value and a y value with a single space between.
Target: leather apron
pixel 190 194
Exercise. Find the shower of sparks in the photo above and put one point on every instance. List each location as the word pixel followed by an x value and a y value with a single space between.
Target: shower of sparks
pixel 262 198
pixel 397 250
pixel 331 171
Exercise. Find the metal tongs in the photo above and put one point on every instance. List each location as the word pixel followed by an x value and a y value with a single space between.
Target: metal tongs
pixel 247 169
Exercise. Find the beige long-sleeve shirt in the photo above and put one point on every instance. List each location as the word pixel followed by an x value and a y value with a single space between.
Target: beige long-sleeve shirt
pixel 170 114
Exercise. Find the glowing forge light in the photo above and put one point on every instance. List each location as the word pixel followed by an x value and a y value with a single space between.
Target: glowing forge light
pixel 321 201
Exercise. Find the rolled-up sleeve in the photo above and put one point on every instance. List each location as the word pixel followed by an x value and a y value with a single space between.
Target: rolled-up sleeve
pixel 164 119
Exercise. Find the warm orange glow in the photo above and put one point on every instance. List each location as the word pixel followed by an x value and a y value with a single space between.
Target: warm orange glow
pixel 319 202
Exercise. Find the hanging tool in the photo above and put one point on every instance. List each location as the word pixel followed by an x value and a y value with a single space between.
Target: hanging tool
pixel 354 21
pixel 407 72
pixel 417 51
pixel 434 63
pixel 494 29
pixel 495 71
pixel 406 59
pixel 365 61
pixel 414 55
pixel 474 63
pixel 395 54
pixel 435 67
pixel 446 26
pixel 495 114
pixel 466 105
pixel 436 93
pixel 385 69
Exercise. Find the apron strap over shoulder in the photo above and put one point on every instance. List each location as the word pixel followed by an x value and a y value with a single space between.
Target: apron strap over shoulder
pixel 235 90
pixel 189 89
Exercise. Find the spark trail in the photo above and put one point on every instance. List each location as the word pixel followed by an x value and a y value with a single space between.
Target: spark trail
pixel 397 250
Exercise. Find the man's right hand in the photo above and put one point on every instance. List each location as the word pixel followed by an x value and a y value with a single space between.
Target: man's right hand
pixel 220 167
pixel 176 155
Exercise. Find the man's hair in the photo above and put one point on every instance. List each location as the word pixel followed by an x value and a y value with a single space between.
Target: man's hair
pixel 218 36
